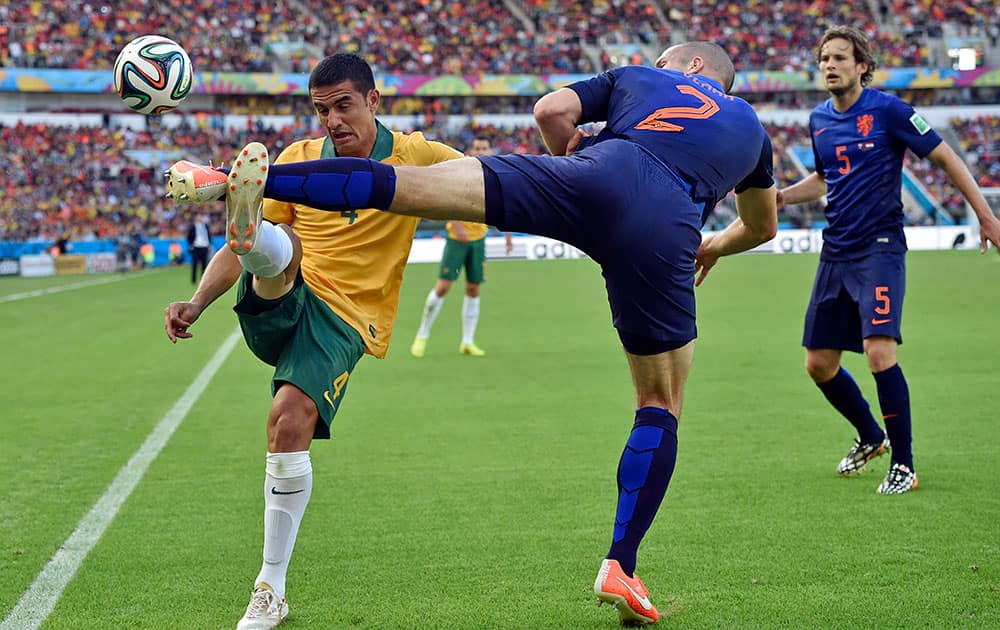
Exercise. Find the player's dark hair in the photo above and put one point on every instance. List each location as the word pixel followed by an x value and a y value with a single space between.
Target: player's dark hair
pixel 862 48
pixel 343 67
pixel 481 138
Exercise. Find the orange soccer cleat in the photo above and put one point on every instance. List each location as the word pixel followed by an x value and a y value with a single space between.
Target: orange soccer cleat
pixel 244 191
pixel 627 594
pixel 195 183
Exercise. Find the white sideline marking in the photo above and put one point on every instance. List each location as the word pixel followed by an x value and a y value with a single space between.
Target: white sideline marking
pixel 40 599
pixel 13 297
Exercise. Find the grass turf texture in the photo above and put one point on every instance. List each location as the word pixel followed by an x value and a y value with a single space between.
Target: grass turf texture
pixel 479 493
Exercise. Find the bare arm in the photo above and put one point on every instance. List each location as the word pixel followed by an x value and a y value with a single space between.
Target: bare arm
pixel 757 223
pixel 220 275
pixel 557 114
pixel 944 157
pixel 809 188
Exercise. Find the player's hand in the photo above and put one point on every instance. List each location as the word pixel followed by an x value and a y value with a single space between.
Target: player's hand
pixel 178 317
pixel 704 260
pixel 989 233
pixel 574 142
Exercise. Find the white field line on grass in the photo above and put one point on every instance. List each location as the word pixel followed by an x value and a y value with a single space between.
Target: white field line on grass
pixel 13 297
pixel 40 599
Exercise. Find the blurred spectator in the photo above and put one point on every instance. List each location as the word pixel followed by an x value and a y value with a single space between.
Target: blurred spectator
pixel 82 182
pixel 479 36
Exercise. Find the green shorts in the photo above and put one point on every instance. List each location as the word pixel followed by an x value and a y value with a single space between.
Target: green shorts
pixel 471 255
pixel 306 342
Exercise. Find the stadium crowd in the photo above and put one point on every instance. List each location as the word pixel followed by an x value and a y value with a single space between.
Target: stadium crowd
pixel 230 36
pixel 488 36
pixel 82 182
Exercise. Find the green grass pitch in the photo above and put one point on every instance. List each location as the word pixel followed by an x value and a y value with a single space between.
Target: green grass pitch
pixel 479 493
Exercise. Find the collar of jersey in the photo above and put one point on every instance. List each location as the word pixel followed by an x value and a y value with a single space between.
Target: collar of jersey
pixel 714 83
pixel 381 150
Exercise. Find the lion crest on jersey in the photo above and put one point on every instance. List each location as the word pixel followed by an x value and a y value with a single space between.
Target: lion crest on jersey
pixel 865 124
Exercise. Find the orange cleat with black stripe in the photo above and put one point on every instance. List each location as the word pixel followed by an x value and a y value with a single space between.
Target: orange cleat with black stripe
pixel 627 594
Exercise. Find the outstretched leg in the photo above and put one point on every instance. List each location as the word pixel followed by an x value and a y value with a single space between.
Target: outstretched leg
pixel 448 190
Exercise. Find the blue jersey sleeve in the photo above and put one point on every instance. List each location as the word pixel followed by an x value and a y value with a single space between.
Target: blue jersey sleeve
pixel 908 127
pixel 817 162
pixel 594 93
pixel 762 175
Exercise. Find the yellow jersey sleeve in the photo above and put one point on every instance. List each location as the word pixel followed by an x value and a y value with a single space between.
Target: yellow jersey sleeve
pixel 354 260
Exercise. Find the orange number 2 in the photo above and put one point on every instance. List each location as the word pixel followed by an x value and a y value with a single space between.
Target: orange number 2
pixel 657 120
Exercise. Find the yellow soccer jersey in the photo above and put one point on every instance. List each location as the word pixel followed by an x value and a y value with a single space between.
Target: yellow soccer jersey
pixel 354 261
pixel 475 231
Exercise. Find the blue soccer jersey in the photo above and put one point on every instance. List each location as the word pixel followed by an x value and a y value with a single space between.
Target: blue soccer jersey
pixel 859 153
pixel 712 140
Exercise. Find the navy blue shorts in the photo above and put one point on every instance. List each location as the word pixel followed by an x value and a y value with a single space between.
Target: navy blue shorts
pixel 856 299
pixel 628 212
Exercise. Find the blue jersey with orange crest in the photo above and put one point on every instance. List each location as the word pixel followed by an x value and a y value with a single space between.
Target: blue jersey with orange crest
pixel 859 153
pixel 712 140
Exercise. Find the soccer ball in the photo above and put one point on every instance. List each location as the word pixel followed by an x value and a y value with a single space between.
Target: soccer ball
pixel 152 74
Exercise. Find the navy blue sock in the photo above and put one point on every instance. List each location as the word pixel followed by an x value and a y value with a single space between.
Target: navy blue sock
pixel 845 395
pixel 644 472
pixel 334 184
pixel 894 399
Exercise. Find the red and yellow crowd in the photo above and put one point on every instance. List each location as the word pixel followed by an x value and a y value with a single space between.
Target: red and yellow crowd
pixel 475 36
pixel 95 182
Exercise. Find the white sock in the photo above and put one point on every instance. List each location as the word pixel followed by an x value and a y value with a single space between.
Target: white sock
pixel 470 318
pixel 287 487
pixel 431 309
pixel 270 254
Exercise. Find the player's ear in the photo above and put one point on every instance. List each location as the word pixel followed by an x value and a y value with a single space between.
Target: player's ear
pixel 373 99
pixel 695 65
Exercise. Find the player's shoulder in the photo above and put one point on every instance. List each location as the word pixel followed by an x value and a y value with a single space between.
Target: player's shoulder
pixel 414 148
pixel 877 99
pixel 301 150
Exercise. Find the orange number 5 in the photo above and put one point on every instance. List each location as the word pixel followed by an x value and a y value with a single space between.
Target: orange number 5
pixel 656 121
pixel 882 297
pixel 846 168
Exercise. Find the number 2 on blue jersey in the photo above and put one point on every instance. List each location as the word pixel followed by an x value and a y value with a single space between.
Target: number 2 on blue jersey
pixel 657 120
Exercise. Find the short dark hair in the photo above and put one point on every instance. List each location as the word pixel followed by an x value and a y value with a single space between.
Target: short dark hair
pixel 862 48
pixel 343 67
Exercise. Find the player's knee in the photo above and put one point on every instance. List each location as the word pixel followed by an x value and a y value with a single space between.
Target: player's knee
pixel 881 353
pixel 291 421
pixel 472 289
pixel 820 368
pixel 442 286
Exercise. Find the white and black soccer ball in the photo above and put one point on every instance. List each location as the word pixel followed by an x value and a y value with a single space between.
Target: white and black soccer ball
pixel 153 74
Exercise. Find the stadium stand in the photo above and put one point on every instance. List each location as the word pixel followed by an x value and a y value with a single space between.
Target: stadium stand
pixel 980 140
pixel 231 36
pixel 487 36
pixel 94 182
